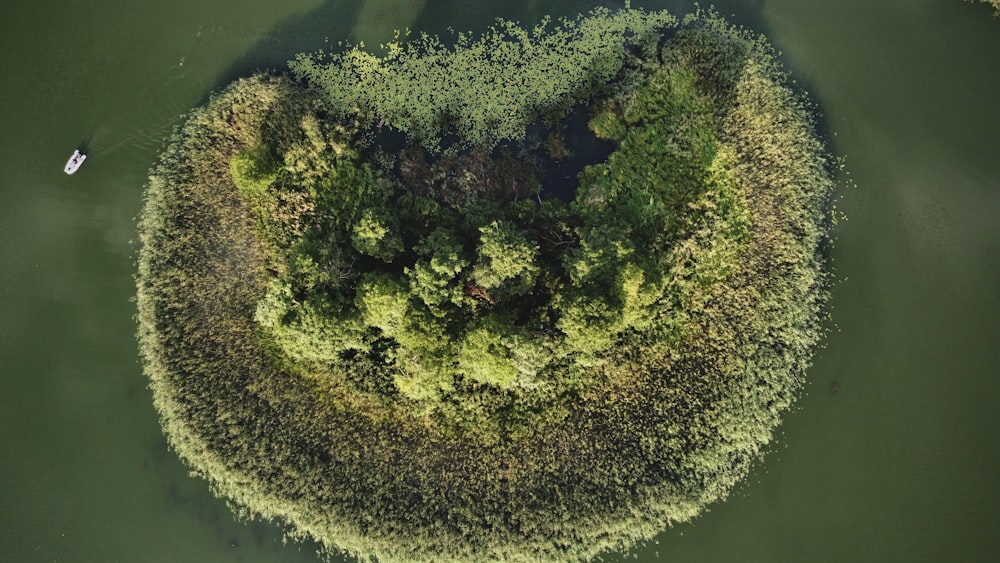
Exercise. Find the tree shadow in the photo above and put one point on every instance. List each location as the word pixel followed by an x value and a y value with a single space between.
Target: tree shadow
pixel 318 29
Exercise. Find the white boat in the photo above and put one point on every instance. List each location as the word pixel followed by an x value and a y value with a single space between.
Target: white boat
pixel 74 162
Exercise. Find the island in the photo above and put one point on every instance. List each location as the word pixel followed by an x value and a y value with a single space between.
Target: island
pixel 532 295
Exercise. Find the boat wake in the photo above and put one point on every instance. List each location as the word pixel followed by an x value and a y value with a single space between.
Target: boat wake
pixel 157 108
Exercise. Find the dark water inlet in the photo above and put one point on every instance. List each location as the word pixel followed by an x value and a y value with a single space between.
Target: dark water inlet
pixel 559 178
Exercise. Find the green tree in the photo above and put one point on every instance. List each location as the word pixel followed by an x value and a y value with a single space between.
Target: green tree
pixel 484 354
pixel 376 233
pixel 436 280
pixel 383 302
pixel 505 260
pixel 588 323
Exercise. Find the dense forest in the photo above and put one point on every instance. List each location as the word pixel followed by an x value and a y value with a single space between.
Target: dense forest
pixel 370 309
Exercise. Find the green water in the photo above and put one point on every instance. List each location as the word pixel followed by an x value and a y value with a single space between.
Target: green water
pixel 899 464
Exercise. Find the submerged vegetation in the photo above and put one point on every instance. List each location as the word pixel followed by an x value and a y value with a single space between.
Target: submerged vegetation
pixel 419 353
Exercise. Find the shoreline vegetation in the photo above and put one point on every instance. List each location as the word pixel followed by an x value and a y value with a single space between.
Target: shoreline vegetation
pixel 363 317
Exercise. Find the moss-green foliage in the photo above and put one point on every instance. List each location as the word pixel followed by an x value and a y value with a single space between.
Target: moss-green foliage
pixel 433 361
pixel 505 260
pixel 484 90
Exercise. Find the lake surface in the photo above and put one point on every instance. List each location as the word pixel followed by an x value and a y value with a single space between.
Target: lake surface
pixel 892 455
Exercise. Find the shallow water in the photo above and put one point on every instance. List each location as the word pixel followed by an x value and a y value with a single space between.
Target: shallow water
pixel 890 456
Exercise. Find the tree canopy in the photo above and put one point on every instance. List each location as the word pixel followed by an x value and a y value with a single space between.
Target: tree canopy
pixel 424 355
